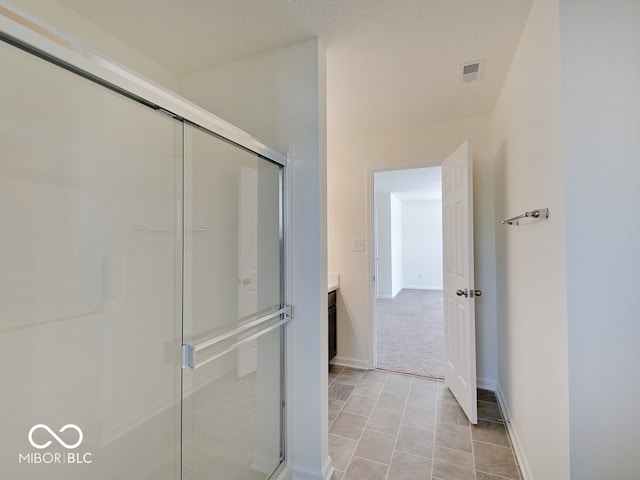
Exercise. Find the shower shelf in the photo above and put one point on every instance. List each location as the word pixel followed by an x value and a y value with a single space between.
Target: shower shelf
pixel 142 228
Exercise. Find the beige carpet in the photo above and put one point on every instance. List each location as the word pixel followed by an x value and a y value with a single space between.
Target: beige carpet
pixel 411 333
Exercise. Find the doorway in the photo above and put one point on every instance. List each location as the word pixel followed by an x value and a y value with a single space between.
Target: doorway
pixel 408 303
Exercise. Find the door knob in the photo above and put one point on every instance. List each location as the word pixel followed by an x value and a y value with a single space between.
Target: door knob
pixel 469 293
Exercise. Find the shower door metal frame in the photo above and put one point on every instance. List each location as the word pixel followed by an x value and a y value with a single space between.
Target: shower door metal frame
pixel 30 34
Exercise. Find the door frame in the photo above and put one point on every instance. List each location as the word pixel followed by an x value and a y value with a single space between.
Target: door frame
pixel 370 240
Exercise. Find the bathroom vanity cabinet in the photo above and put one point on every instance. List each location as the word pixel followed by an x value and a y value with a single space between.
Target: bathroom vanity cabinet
pixel 333 345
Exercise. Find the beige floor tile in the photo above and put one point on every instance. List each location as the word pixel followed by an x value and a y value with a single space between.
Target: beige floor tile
pixel 415 441
pixel 490 432
pixel 495 460
pixel 453 436
pixel 241 446
pixel 487 476
pixel 417 417
pixel 487 396
pixel 335 406
pixel 445 395
pixel 368 388
pixel 449 464
pixel 420 383
pixel 392 402
pixel 350 376
pixel 489 411
pixel 340 450
pixel 423 398
pixel 348 425
pixel 218 466
pixel 376 376
pixel 361 469
pixel 399 384
pixel 390 426
pixel 375 446
pixel 340 391
pixel 449 413
pixel 360 405
pixel 385 421
pixel 409 467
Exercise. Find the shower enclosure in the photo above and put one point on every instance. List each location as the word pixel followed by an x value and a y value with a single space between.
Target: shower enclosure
pixel 142 306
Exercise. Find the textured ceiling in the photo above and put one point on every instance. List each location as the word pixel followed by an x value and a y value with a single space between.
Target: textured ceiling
pixel 391 63
pixel 411 185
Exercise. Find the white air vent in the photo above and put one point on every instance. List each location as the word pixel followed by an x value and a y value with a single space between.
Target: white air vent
pixel 470 72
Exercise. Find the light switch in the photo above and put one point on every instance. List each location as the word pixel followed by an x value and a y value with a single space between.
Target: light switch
pixel 357 246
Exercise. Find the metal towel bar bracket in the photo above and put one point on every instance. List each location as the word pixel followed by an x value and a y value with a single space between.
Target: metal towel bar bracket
pixel 539 213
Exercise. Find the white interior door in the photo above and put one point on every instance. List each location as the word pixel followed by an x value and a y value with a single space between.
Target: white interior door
pixel 459 291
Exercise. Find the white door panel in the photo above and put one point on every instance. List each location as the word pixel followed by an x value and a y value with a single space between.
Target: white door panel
pixel 459 307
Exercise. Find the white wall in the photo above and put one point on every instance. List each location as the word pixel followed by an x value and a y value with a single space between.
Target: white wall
pixel 396 245
pixel 531 280
pixel 601 100
pixel 280 97
pixel 422 244
pixel 351 161
pixel 70 23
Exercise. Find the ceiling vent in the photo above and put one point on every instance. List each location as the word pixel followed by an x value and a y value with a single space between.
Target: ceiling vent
pixel 470 72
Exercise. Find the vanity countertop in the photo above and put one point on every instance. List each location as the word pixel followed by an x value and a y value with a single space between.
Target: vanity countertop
pixel 333 283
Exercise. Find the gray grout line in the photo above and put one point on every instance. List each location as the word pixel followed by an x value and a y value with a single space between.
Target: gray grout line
pixel 438 403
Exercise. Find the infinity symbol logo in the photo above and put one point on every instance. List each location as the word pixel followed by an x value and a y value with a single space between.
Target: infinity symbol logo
pixel 53 434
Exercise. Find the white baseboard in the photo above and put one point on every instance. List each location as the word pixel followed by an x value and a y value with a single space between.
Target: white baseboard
pixel 306 473
pixel 327 469
pixel 422 287
pixel 513 434
pixel 487 384
pixel 385 297
pixel 350 362
pixel 285 473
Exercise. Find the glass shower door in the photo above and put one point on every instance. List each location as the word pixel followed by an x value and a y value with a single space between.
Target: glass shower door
pixel 142 306
pixel 233 312
pixel 90 279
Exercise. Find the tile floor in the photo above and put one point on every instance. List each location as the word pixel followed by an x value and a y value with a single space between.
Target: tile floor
pixel 388 426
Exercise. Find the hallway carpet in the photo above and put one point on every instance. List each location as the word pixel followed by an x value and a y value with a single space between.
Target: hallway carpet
pixel 410 332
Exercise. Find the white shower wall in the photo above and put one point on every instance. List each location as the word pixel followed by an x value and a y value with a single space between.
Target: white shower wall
pixel 82 275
